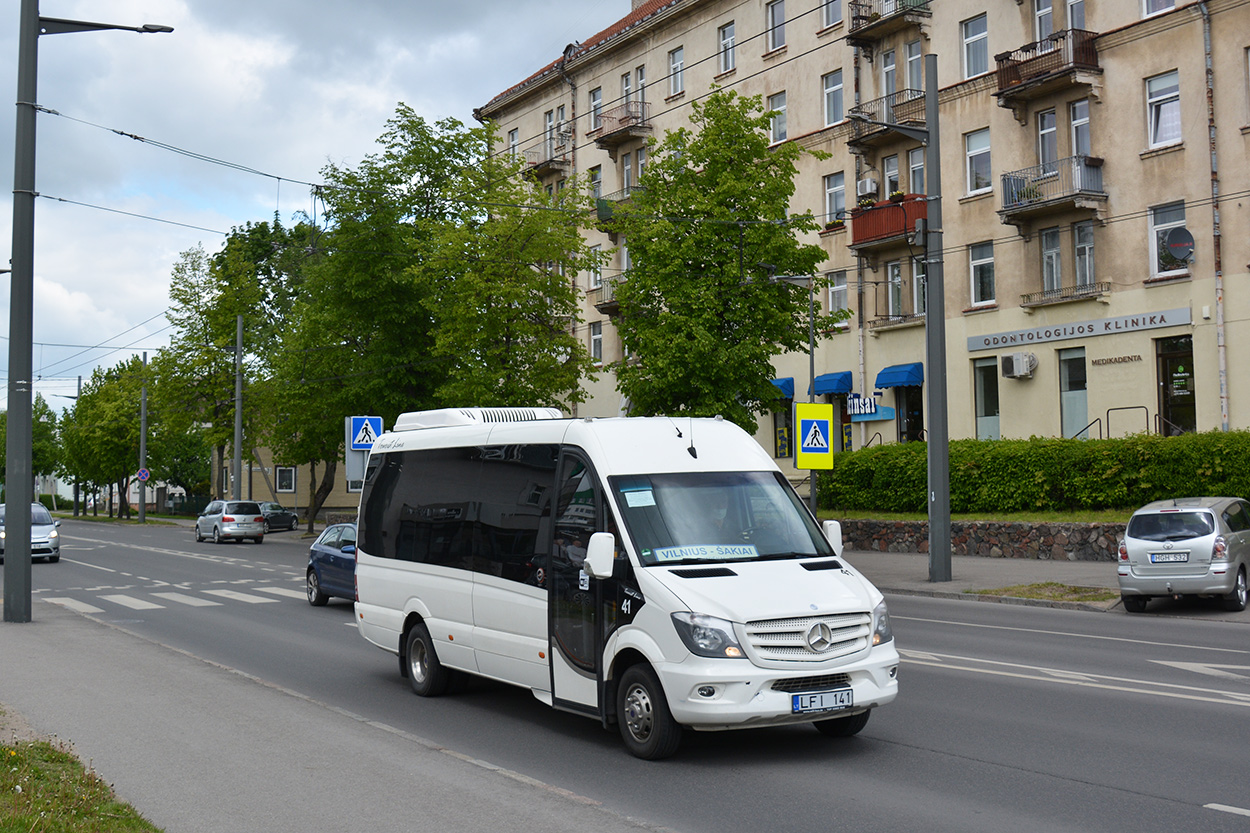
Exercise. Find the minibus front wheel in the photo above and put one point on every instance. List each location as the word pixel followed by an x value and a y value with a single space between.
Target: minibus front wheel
pixel 426 674
pixel 647 725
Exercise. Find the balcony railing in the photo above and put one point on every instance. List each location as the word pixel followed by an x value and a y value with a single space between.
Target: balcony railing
pixel 605 205
pixel 887 220
pixel 603 297
pixel 875 18
pixel 905 107
pixel 1053 184
pixel 551 154
pixel 1023 71
pixel 620 124
pixel 1062 294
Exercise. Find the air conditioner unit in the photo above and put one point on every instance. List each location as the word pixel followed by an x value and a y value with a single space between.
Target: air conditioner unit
pixel 564 136
pixel 1019 365
pixel 866 187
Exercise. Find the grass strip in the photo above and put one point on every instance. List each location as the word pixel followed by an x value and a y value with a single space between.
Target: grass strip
pixel 1053 591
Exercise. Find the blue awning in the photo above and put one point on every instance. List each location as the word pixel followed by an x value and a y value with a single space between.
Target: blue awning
pixel 901 375
pixel 786 386
pixel 832 383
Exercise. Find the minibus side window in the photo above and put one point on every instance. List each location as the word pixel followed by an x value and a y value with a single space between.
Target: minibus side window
pixel 514 514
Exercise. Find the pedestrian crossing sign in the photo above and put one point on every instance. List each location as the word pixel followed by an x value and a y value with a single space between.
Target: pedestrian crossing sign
pixel 364 432
pixel 816 438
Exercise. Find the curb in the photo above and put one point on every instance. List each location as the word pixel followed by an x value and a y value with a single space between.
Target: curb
pixel 1089 607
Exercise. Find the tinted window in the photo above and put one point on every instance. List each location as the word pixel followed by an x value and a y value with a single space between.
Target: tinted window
pixel 244 508
pixel 514 511
pixel 1236 518
pixel 1171 526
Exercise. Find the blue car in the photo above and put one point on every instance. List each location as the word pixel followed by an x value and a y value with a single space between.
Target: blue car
pixel 332 565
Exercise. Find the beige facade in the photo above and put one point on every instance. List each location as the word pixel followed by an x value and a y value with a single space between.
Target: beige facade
pixel 1075 137
pixel 291 486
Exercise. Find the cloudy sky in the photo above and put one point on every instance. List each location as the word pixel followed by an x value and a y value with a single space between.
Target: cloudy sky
pixel 276 86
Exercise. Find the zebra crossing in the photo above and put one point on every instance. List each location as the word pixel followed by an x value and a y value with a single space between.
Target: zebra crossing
pixel 181 597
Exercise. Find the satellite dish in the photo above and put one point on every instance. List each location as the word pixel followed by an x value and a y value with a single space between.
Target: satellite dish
pixel 1180 244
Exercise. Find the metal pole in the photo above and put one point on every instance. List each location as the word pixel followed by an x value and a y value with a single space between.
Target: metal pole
pixel 77 489
pixel 938 446
pixel 19 482
pixel 237 491
pixel 811 375
pixel 143 443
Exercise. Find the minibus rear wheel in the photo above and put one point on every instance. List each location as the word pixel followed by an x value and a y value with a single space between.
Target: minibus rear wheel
pixel 426 674
pixel 647 726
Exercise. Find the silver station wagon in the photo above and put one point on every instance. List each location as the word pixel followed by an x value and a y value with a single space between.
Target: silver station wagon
pixel 1198 546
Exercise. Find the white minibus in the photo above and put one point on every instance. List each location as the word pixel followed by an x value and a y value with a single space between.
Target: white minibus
pixel 655 573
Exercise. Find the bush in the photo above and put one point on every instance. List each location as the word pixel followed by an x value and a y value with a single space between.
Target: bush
pixel 1042 474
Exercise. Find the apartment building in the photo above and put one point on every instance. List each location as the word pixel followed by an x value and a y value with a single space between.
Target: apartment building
pixel 1095 198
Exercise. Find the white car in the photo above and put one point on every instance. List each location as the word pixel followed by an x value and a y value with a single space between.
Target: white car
pixel 45 539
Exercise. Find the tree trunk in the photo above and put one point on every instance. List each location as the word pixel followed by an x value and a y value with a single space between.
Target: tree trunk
pixel 323 490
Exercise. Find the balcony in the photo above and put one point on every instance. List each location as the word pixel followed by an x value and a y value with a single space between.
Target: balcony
pixel 603 297
pixel 549 156
pixel 872 20
pixel 1066 294
pixel 886 223
pixel 617 126
pixel 905 107
pixel 1051 188
pixel 897 321
pixel 605 207
pixel 1065 59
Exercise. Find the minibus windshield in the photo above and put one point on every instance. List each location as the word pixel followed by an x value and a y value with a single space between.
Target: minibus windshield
pixel 713 517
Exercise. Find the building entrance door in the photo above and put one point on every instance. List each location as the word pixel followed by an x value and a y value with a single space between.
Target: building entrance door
pixel 1178 411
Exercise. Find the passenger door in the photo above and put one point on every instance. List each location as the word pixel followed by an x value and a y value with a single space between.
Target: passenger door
pixel 576 643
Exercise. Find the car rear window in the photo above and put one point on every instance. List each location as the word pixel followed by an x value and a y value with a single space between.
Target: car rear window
pixel 1171 526
pixel 242 509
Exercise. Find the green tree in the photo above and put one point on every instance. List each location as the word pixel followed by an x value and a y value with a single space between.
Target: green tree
pixel 45 451
pixel 100 435
pixel 702 314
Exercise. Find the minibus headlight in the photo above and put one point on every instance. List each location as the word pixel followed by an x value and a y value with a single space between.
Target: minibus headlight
pixel 707 636
pixel 882 631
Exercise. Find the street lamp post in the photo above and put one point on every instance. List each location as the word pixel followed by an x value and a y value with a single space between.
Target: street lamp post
pixel 19 479
pixel 938 436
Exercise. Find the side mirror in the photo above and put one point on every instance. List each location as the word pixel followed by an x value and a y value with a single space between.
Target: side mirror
pixel 833 534
pixel 600 554
pixel 57 523
pixel 349 549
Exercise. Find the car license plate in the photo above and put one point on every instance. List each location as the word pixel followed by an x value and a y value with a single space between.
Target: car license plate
pixel 1168 557
pixel 821 701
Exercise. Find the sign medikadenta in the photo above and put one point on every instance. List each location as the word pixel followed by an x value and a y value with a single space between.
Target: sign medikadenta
pixel 1013 339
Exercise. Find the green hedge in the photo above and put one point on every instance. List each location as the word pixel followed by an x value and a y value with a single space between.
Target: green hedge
pixel 1043 474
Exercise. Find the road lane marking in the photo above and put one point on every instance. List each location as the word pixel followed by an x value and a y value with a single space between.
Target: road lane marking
pixel 183 598
pixel 132 603
pixel 1069 633
pixel 89 564
pixel 282 591
pixel 240 597
pixel 75 605
pixel 1225 808
pixel 1061 677
pixel 1208 669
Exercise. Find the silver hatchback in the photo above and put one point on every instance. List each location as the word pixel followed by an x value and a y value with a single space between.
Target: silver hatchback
pixel 1196 546
pixel 231 520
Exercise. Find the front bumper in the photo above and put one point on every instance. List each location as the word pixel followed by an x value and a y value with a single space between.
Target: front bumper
pixel 713 694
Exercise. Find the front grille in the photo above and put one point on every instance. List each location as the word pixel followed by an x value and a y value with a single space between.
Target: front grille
pixel 787 639
pixel 821 683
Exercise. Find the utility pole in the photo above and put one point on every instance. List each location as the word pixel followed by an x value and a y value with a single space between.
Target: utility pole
pixel 237 491
pixel 143 444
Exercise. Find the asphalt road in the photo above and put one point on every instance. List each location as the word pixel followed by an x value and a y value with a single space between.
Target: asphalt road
pixel 1008 717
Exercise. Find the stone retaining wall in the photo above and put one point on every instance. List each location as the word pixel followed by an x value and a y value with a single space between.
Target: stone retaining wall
pixel 1059 541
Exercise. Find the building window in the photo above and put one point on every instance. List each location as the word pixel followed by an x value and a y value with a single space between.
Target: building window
pixel 889 79
pixel 1164 218
pixel 1047 141
pixel 835 197
pixel 976 46
pixel 783 430
pixel 775 22
pixel 1078 113
pixel 977 149
pixel 889 172
pixel 284 479
pixel 627 171
pixel 355 486
pixel 1052 267
pixel 1073 398
pixel 914 56
pixel 1076 14
pixel 1044 17
pixel 985 381
pixel 596 108
pixel 1163 108
pixel 596 342
pixel 833 97
pixel 832 15
pixel 596 271
pixel 640 82
pixel 728 60
pixel 596 182
pixel 981 264
pixel 837 293
pixel 777 104
pixel 641 155
pixel 627 87
pixel 676 61
pixel 1156 6
pixel 919 284
pixel 894 289
pixel 1083 239
pixel 915 170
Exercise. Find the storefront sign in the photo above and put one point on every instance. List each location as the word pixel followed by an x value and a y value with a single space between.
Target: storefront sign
pixel 1013 339
pixel 857 405
pixel 1115 360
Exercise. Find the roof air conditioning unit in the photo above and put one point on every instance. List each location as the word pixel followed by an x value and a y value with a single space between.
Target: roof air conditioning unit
pixel 1019 365
pixel 866 187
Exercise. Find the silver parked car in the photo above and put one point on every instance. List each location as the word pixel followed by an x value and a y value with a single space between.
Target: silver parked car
pixel 45 540
pixel 231 520
pixel 1198 546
